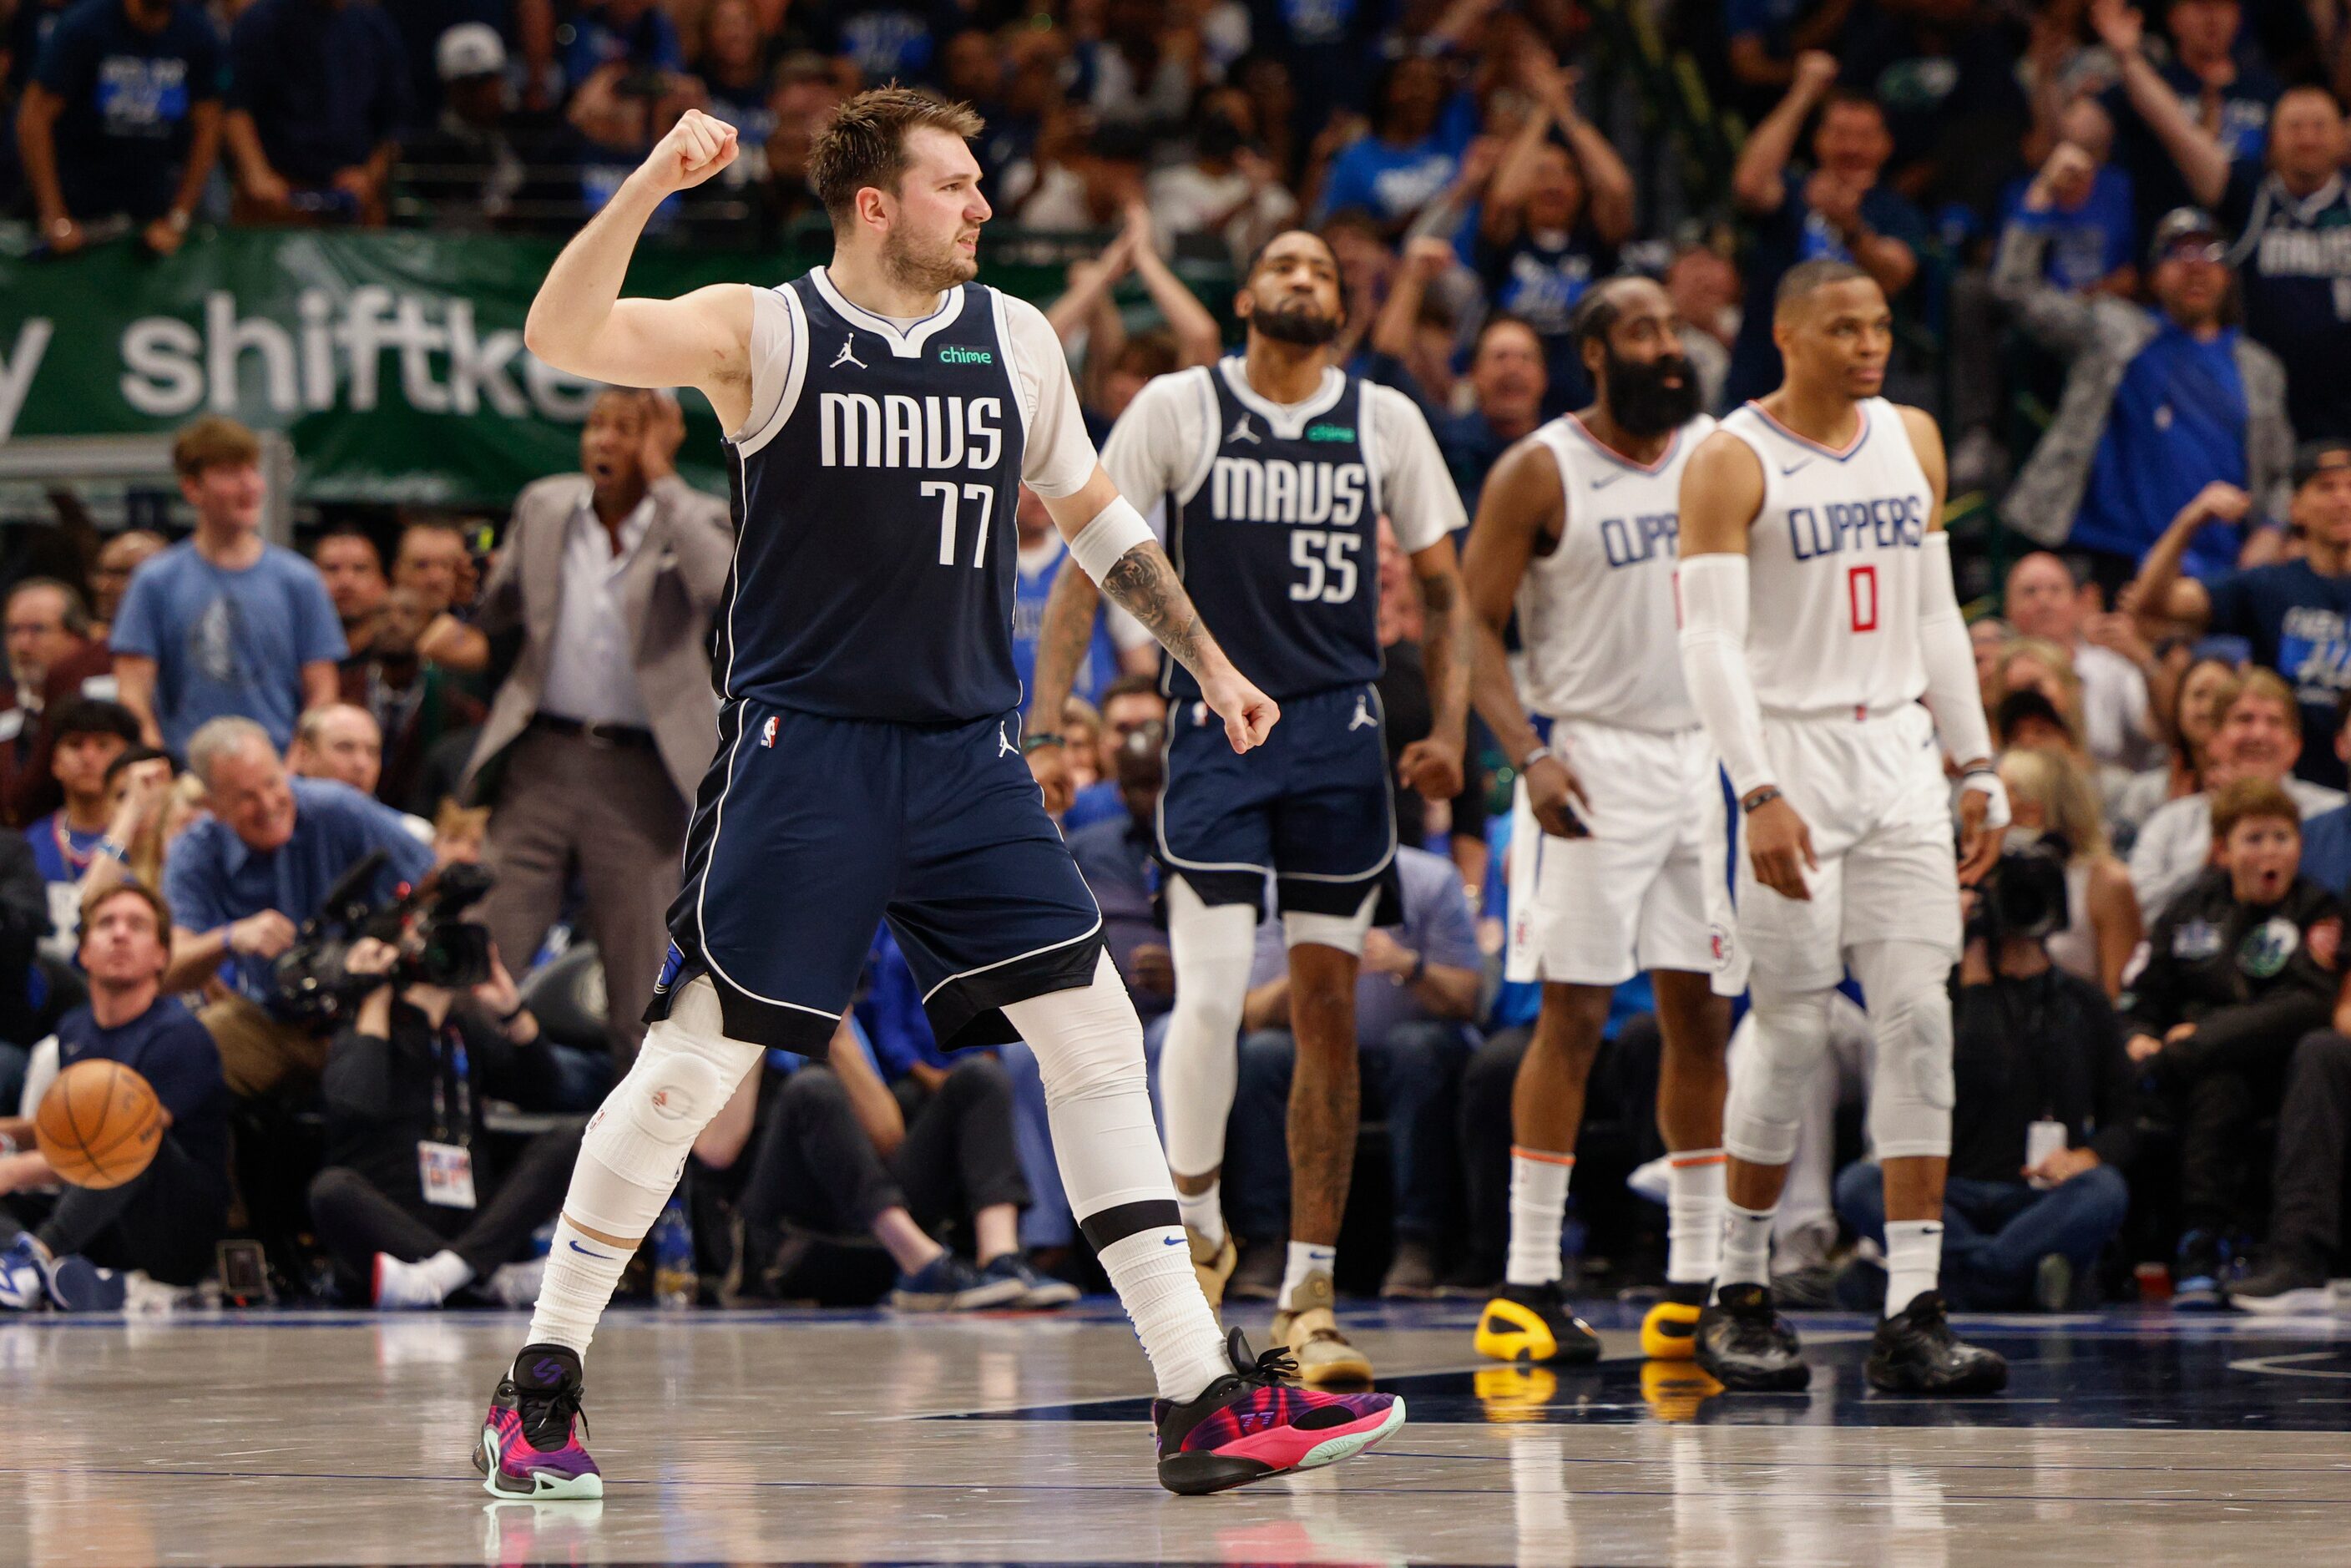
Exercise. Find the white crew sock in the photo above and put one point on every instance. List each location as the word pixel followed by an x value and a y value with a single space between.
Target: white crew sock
pixel 582 1274
pixel 1693 1216
pixel 1538 1209
pixel 445 1272
pixel 1746 1247
pixel 1204 1212
pixel 1304 1258
pixel 1914 1260
pixel 1152 1273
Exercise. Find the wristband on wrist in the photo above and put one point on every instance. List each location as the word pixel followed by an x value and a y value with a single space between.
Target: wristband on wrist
pixel 114 849
pixel 1030 743
pixel 1540 754
pixel 506 1020
pixel 1759 800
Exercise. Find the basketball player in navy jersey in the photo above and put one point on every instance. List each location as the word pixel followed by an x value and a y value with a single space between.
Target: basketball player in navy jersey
pixel 882 410
pixel 1269 473
pixel 1818 616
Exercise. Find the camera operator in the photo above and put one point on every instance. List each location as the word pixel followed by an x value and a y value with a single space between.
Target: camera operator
pixel 413 1205
pixel 2044 1121
pixel 241 881
pixel 2241 965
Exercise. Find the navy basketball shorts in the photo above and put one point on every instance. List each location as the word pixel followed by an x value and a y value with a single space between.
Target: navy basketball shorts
pixel 1313 807
pixel 809 830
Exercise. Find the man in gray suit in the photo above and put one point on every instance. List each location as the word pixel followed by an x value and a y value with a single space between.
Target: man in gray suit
pixel 598 739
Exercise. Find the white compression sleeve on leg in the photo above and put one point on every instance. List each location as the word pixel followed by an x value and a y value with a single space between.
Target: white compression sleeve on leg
pixel 1088 1047
pixel 1953 694
pixel 630 1157
pixel 1200 1062
pixel 1305 928
pixel 1714 665
pixel 1906 986
pixel 1765 1107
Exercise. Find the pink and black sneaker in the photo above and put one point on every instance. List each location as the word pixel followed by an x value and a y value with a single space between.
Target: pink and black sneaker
pixel 1254 1423
pixel 527 1448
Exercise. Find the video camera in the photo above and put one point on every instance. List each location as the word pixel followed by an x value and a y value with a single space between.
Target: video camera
pixel 313 988
pixel 2023 896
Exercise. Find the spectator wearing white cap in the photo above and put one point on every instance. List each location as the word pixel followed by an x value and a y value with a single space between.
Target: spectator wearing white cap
pixel 466 166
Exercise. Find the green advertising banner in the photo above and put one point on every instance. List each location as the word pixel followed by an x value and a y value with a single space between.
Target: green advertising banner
pixel 393 360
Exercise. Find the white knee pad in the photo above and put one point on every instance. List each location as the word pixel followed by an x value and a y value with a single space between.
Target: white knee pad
pixel 1906 985
pixel 1302 928
pixel 641 1134
pixel 1089 1049
pixel 1212 946
pixel 1765 1110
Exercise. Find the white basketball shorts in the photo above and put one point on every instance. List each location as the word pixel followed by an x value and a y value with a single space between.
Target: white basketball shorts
pixel 1632 896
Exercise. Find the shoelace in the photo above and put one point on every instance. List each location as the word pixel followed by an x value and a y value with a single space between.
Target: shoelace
pixel 547 1414
pixel 1274 1368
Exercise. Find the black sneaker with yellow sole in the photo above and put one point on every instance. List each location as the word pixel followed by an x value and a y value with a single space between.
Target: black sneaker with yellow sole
pixel 1535 1322
pixel 1669 1332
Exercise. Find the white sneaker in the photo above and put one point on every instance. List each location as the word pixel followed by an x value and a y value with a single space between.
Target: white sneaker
pixel 517 1284
pixel 24 1279
pixel 1651 1180
pixel 403 1287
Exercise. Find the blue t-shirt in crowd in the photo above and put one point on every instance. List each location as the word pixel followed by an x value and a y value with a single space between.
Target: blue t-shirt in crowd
pixel 326 85
pixel 1115 857
pixel 1797 233
pixel 1097 802
pixel 1540 278
pixel 897 1030
pixel 174 1053
pixel 1031 590
pixel 2178 424
pixel 123 135
pixel 1437 925
pixel 1392 183
pixel 228 641
pixel 212 877
pixel 2326 850
pixel 2298 622
pixel 650 43
pixel 51 840
pixel 2089 243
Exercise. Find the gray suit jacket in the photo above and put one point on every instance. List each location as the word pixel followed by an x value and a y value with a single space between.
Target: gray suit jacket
pixel 670 590
pixel 2099 336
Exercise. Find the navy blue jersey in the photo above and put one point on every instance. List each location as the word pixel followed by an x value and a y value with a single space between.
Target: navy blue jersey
pixel 1278 543
pixel 873 518
pixel 2292 259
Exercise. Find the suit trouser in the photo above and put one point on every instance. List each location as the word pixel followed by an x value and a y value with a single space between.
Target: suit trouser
pixel 357 1219
pixel 613 814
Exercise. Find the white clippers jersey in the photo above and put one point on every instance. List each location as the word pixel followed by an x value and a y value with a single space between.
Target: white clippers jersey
pixel 1597 616
pixel 1833 565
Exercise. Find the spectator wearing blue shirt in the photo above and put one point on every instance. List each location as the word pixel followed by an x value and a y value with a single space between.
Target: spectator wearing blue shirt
pixel 243 880
pixel 89 735
pixel 2291 212
pixel 1839 212
pixel 1764 38
pixel 1416 149
pixel 318 96
pixel 223 623
pixel 1041 552
pixel 2293 616
pixel 1414 1001
pixel 1129 703
pixel 166 1220
pixel 2212 76
pixel 634 34
pixel 123 120
pixel 2158 403
pixel 2091 218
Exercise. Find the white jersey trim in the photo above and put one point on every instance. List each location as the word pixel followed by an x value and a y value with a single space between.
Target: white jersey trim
pixel 795 374
pixel 1288 421
pixel 1367 439
pixel 1212 440
pixel 1860 436
pixel 1011 365
pixel 906 342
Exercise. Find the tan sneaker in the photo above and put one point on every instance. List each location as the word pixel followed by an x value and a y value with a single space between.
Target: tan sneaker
pixel 1214 1265
pixel 1305 1328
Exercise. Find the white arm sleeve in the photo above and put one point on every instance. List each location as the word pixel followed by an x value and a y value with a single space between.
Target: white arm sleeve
pixel 1416 490
pixel 1952 694
pixel 1154 444
pixel 1058 457
pixel 1714 665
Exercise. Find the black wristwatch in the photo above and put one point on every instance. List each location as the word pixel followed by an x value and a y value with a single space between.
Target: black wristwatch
pixel 1757 801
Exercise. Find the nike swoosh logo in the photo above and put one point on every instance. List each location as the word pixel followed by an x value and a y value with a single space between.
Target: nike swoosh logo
pixel 607 1257
pixel 1603 484
pixel 1171 1241
pixel 1791 467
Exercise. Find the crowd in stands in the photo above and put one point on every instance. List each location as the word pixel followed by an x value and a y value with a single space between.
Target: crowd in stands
pixel 2122 250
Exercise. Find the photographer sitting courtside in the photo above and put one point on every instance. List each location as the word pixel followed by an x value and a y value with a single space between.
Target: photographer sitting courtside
pixel 2043 1123
pixel 413 1205
pixel 2241 965
pixel 166 1220
pixel 241 880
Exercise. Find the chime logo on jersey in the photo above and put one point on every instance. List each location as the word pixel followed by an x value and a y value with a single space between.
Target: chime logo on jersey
pixel 1833 526
pixel 1281 490
pixel 767 732
pixel 896 430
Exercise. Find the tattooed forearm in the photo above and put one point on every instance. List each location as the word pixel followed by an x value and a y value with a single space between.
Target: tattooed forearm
pixel 1449 647
pixel 1144 584
pixel 1061 645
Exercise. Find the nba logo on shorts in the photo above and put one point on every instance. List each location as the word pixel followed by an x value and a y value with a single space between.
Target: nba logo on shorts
pixel 767 732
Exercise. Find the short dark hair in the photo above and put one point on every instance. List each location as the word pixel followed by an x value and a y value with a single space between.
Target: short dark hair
pixel 1494 322
pixel 76 618
pixel 1342 218
pixel 347 531
pixel 92 716
pixel 1851 98
pixel 1129 687
pixel 1809 278
pixel 132 758
pixel 865 141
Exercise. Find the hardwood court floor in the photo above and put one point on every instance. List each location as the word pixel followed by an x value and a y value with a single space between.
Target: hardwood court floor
pixel 791 1436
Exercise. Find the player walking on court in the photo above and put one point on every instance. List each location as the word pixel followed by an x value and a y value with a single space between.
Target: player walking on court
pixel 1575 530
pixel 1817 611
pixel 1269 472
pixel 882 411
